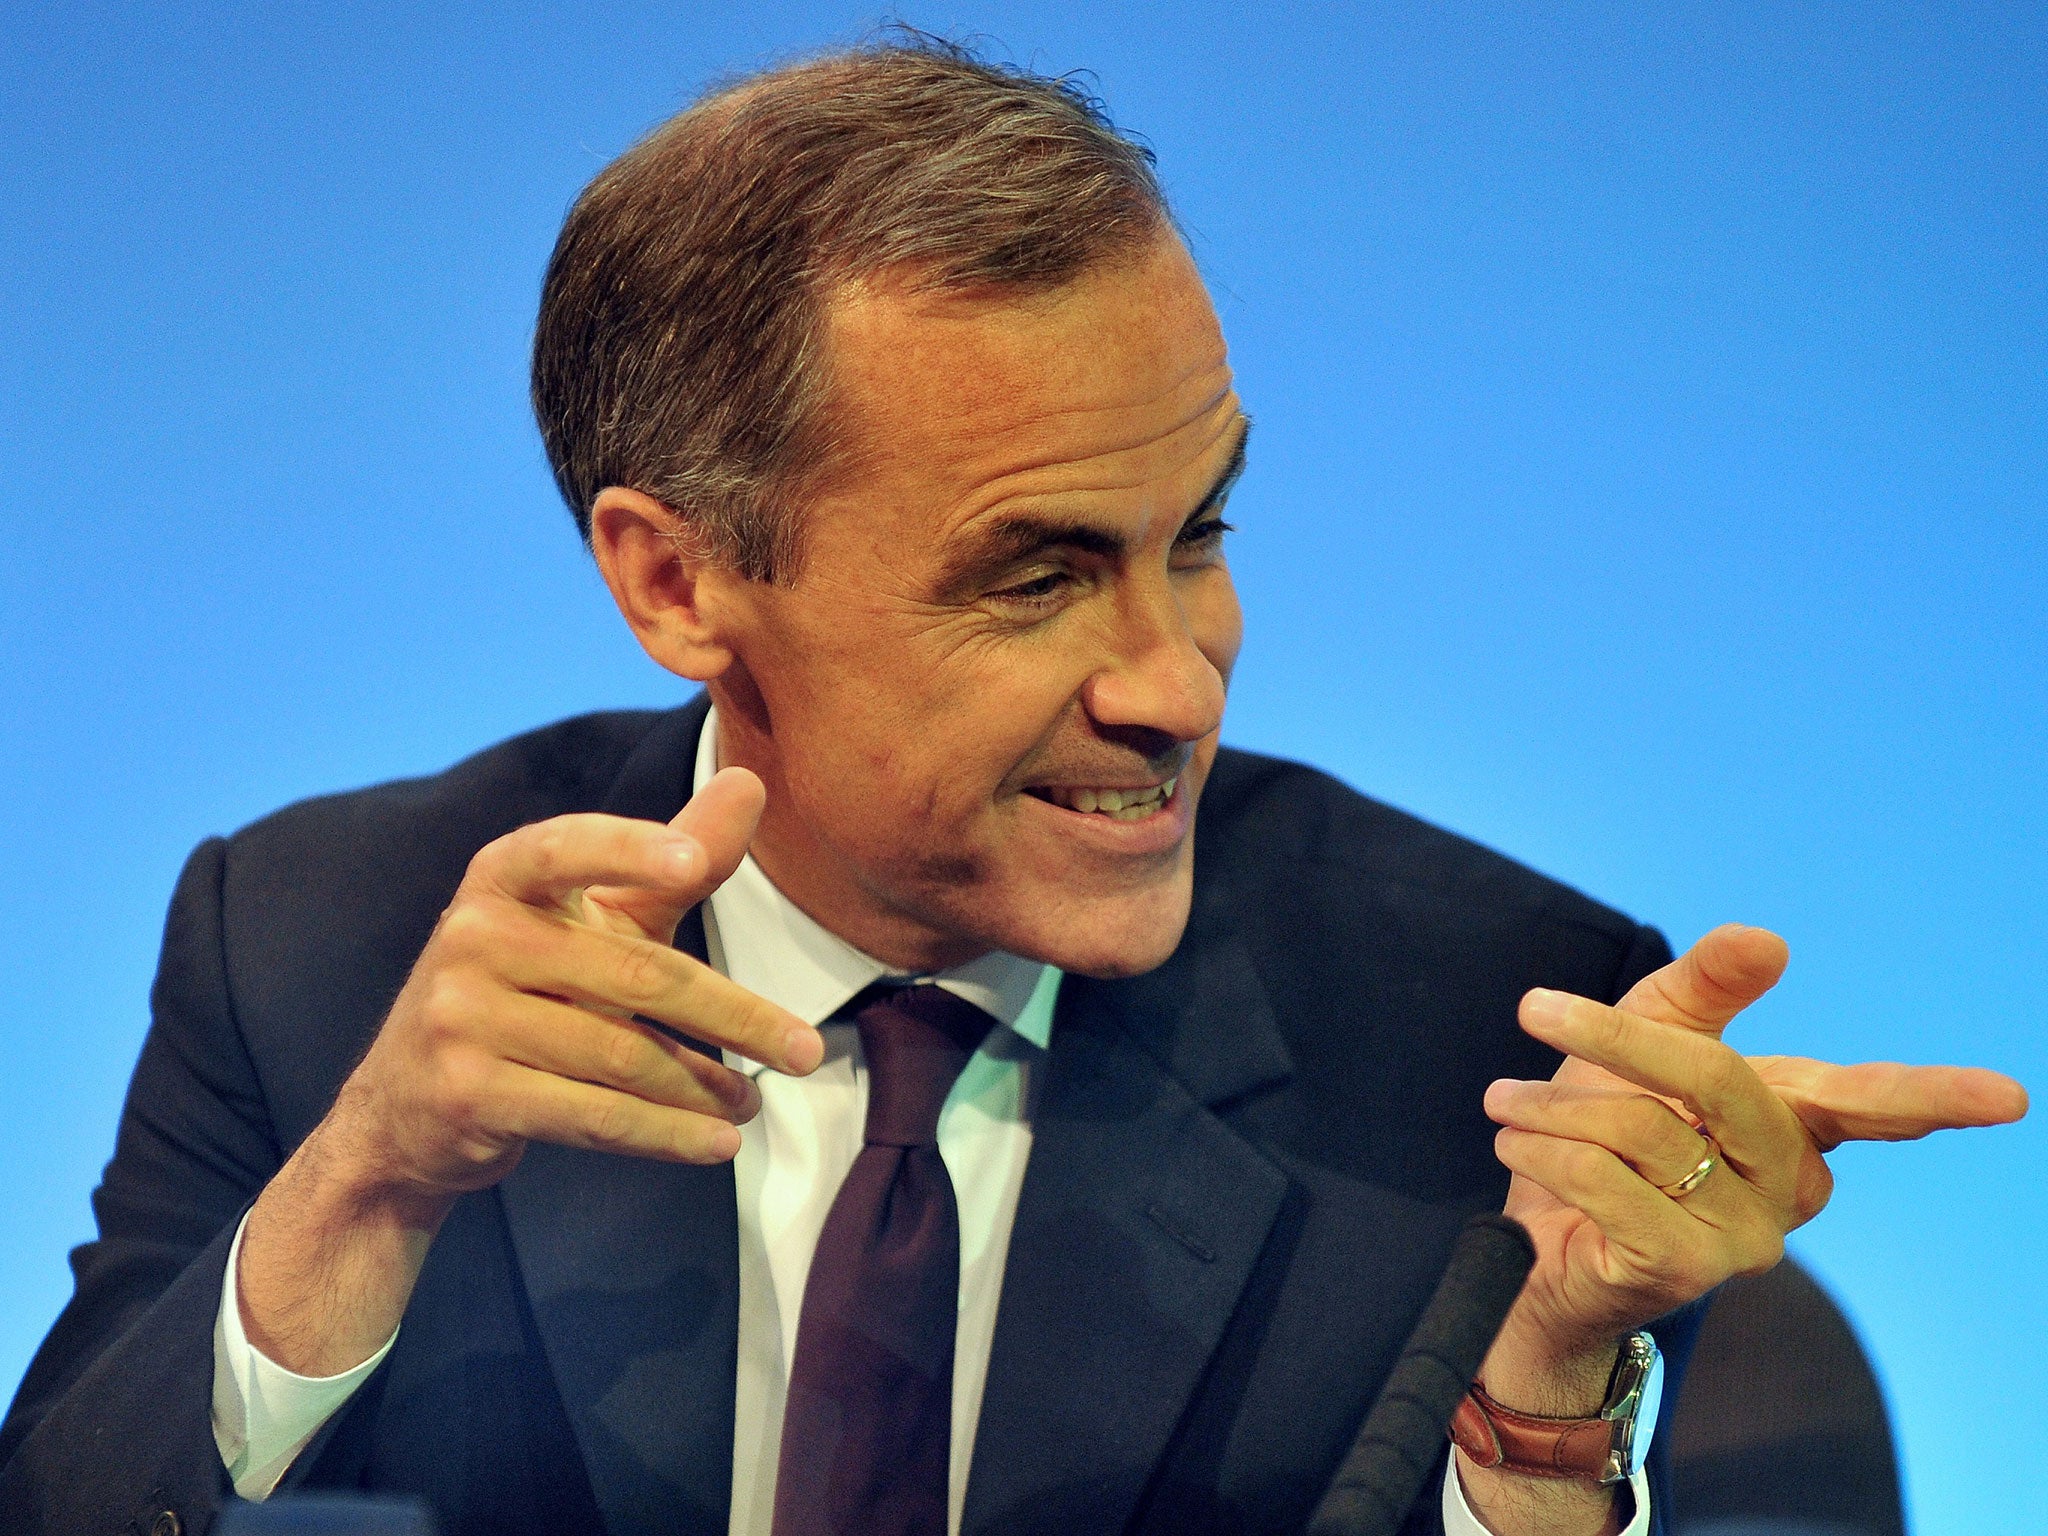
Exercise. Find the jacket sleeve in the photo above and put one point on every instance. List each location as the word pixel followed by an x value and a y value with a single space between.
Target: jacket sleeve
pixel 111 1426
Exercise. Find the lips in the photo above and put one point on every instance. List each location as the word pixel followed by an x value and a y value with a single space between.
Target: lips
pixel 1117 804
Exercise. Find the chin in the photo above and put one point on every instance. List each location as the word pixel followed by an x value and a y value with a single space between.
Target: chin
pixel 1106 937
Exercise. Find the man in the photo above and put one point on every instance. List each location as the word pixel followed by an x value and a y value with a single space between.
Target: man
pixel 896 415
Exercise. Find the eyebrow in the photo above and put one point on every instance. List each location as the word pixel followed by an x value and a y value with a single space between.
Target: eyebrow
pixel 1015 538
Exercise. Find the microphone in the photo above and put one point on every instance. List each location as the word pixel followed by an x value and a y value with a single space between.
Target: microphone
pixel 1401 1437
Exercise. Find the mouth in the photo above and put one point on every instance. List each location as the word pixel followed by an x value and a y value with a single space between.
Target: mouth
pixel 1116 804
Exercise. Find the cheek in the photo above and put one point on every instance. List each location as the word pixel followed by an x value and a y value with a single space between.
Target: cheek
pixel 926 743
pixel 850 689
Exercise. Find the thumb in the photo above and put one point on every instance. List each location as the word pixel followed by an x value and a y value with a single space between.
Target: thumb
pixel 720 818
pixel 1713 981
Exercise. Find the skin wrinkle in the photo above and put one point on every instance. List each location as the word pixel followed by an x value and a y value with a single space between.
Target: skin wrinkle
pixel 988 502
pixel 836 457
pixel 1018 537
pixel 927 327
pixel 1203 410
pixel 1077 472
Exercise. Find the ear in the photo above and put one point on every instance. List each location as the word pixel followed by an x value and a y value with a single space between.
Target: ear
pixel 675 598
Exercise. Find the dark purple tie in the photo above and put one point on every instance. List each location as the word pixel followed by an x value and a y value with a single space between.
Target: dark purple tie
pixel 867 1435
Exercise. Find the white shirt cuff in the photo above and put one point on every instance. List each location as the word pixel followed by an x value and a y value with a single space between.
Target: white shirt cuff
pixel 263 1414
pixel 1460 1521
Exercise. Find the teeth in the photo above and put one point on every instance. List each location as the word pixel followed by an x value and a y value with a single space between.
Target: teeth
pixel 1118 804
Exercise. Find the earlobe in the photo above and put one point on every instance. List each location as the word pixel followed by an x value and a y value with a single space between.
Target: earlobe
pixel 667 588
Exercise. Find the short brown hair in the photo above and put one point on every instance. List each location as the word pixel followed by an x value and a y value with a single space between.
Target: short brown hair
pixel 678 349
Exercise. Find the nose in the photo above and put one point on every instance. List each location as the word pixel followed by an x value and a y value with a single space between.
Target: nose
pixel 1167 676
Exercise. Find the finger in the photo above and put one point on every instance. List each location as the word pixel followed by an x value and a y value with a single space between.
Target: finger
pixel 604 970
pixel 1640 1129
pixel 720 818
pixel 1713 981
pixel 624 1054
pixel 1655 1241
pixel 1631 1215
pixel 548 862
pixel 540 1106
pixel 1758 1133
pixel 1884 1101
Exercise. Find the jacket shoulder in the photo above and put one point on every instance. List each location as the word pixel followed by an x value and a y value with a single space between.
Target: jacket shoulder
pixel 1393 955
pixel 556 768
pixel 1287 820
pixel 325 904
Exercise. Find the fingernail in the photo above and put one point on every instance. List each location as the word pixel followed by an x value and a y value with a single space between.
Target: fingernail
pixel 1543 1006
pixel 741 1093
pixel 725 1143
pixel 687 854
pixel 1501 1095
pixel 802 1049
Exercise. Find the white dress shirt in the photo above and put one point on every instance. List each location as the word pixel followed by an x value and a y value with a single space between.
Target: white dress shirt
pixel 793 1157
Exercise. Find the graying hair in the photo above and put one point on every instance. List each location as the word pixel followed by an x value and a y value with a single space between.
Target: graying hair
pixel 678 349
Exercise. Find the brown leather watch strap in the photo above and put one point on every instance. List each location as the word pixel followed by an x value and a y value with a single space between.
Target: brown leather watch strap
pixel 1494 1436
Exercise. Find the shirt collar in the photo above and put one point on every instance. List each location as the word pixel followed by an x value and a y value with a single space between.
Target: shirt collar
pixel 769 945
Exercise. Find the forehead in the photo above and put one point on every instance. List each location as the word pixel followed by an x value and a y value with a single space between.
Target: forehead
pixel 1113 382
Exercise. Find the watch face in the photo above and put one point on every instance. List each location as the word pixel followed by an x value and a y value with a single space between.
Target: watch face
pixel 1646 1413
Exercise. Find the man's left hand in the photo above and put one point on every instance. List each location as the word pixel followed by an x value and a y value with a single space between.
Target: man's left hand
pixel 1599 1150
pixel 1606 1158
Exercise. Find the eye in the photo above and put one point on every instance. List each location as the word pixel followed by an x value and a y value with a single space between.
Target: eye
pixel 1034 590
pixel 1203 534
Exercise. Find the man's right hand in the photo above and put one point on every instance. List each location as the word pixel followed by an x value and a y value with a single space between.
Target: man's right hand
pixel 517 1023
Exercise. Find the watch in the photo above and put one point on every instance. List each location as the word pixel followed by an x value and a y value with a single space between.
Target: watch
pixel 1603 1449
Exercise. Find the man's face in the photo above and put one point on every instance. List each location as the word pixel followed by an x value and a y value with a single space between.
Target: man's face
pixel 1013 613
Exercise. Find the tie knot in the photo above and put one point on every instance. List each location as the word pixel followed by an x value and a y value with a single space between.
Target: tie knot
pixel 916 1040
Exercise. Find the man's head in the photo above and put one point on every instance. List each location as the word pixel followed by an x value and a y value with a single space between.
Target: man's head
pixel 895 411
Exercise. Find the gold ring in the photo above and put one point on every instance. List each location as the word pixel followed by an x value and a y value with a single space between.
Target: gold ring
pixel 1692 1181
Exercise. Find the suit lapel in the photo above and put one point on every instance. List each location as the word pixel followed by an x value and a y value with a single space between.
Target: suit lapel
pixel 632 1268
pixel 1141 1219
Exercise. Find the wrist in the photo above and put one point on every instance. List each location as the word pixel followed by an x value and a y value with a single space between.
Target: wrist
pixel 328 1258
pixel 347 1175
pixel 1559 1471
pixel 1530 1374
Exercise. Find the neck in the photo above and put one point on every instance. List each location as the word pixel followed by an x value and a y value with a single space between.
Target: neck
pixel 808 873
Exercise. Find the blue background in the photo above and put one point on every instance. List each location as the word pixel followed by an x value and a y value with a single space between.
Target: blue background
pixel 1649 481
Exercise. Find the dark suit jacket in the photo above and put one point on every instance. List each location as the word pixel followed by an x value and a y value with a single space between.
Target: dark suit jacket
pixel 1247 1170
